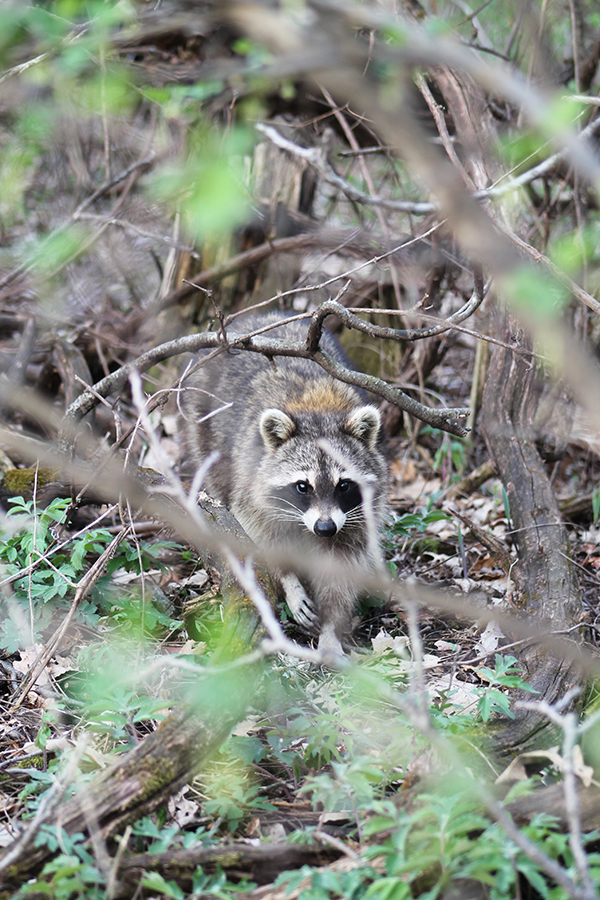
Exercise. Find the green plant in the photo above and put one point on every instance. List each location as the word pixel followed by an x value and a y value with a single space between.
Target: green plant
pixel 450 456
pixel 506 503
pixel 328 883
pixel 443 841
pixel 354 784
pixel 447 838
pixel 231 799
pixel 67 876
pixel 43 570
pixel 112 692
pixel 40 569
pixel 596 504
pixel 487 701
pixel 156 837
pixel 503 675
pixel 203 885
pixel 402 525
pixel 232 790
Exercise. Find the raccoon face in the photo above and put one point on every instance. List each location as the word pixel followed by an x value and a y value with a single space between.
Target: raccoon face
pixel 307 487
pixel 323 501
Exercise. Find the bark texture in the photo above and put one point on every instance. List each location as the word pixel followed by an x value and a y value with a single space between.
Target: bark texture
pixel 261 864
pixel 546 588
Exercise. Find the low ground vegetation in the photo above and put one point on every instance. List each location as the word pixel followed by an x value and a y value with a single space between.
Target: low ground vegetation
pixel 163 170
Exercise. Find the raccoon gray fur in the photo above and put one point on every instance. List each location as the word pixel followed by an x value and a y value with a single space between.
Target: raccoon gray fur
pixel 300 457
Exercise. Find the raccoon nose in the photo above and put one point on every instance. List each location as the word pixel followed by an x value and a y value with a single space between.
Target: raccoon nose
pixel 324 528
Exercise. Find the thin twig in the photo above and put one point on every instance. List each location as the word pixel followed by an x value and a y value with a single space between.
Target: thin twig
pixel 350 137
pixel 83 588
pixel 578 292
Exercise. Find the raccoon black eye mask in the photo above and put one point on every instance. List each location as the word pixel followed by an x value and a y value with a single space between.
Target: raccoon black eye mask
pixel 301 466
pixel 322 508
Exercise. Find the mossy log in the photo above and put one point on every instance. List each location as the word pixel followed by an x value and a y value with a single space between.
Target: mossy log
pixel 261 864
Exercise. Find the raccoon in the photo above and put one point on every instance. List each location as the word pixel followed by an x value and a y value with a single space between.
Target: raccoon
pixel 301 466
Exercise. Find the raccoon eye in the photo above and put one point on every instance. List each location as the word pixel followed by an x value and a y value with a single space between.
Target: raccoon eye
pixel 302 487
pixel 344 485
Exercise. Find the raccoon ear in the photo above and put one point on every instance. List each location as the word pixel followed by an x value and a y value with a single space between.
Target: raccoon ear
pixel 364 423
pixel 276 428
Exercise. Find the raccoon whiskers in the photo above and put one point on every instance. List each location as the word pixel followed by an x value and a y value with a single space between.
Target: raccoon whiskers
pixel 355 514
pixel 290 515
pixel 286 515
pixel 354 520
pixel 289 503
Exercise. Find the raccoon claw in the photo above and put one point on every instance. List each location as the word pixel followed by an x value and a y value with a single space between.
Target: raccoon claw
pixel 305 614
pixel 301 606
pixel 307 617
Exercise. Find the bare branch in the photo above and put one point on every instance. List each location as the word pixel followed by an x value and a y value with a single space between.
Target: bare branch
pixel 139 165
pixel 447 419
pixel 419 47
pixel 398 334
pixel 316 159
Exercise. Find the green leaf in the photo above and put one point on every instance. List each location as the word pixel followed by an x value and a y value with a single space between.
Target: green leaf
pixel 596 504
pixel 78 553
pixel 506 506
pixel 155 882
pixel 210 186
pixel 389 888
pixel 533 293
pixel 247 748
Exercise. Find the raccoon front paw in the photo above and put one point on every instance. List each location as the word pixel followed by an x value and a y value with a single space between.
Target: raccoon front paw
pixel 301 606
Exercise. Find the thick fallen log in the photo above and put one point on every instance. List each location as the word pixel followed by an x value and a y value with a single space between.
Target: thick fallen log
pixel 261 864
pixel 551 800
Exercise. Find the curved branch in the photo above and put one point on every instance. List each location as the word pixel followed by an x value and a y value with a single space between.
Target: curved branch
pixel 446 419
pixel 316 159
pixel 350 320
